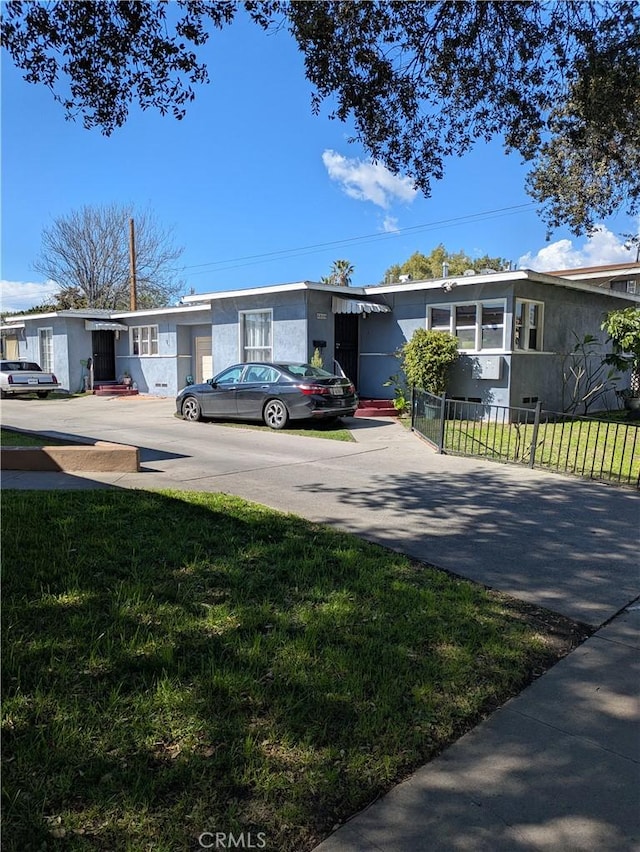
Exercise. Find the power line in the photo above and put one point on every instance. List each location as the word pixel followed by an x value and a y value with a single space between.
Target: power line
pixel 301 251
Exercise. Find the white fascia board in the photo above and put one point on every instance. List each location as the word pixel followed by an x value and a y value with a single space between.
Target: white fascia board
pixel 154 312
pixel 460 281
pixel 271 289
pixel 87 313
pixel 251 291
pixel 24 317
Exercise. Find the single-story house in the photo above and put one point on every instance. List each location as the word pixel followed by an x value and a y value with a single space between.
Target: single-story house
pixel 514 330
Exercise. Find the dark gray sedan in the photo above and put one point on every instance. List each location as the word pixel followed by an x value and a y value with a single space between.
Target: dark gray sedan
pixel 273 393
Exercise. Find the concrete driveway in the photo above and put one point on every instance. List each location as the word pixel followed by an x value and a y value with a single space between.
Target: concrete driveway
pixel 563 543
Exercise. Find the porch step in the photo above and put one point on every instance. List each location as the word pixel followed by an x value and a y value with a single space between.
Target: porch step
pixel 114 389
pixel 376 408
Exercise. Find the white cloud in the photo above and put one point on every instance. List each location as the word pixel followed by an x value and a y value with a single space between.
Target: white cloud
pixel 390 225
pixel 600 249
pixel 22 295
pixel 366 181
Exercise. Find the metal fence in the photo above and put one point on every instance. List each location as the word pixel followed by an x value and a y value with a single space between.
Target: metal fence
pixel 607 450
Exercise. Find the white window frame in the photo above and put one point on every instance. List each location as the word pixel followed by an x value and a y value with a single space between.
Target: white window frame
pixel 243 345
pixel 527 326
pixel 477 305
pixel 146 337
pixel 45 349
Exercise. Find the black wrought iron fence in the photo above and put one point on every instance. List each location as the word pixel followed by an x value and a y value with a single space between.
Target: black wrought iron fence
pixel 607 450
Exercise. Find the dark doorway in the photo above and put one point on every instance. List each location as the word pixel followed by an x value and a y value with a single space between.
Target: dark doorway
pixel 346 344
pixel 104 356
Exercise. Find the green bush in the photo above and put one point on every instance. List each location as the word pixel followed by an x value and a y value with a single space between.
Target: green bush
pixel 317 359
pixel 426 359
pixel 623 328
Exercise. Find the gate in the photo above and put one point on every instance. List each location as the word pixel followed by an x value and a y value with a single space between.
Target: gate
pixel 346 344
pixel 104 356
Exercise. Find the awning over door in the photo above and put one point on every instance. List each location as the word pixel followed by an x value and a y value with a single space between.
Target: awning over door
pixel 104 325
pixel 356 306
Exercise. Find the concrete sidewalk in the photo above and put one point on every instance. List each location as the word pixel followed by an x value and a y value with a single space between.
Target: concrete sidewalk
pixel 557 768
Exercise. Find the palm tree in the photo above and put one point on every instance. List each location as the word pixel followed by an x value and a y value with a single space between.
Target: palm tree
pixel 340 275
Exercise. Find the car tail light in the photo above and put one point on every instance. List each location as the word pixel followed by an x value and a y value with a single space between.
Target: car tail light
pixel 10 379
pixel 55 381
pixel 309 390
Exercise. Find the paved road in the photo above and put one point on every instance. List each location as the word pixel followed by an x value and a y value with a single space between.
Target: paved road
pixel 563 543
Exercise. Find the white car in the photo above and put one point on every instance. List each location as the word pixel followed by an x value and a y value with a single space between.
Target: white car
pixel 20 377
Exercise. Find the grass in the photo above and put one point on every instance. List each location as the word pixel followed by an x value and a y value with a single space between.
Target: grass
pixel 319 429
pixel 602 449
pixel 12 438
pixel 176 663
pixel 605 446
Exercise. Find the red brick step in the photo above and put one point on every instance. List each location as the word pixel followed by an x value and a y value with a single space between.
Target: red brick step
pixel 376 408
pixel 114 389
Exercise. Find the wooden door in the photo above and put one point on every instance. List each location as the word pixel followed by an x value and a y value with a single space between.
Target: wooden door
pixel 204 361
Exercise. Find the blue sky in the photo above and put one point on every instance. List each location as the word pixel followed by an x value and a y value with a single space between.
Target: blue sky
pixel 256 189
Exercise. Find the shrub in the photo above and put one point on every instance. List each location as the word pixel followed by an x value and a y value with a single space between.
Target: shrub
pixel 316 359
pixel 623 328
pixel 426 359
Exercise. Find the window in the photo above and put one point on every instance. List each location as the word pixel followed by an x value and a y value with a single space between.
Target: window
pixel 441 319
pixel 465 329
pixel 628 286
pixel 45 341
pixel 255 336
pixel 144 340
pixel 230 376
pixel 492 326
pixel 477 325
pixel 528 326
pixel 262 375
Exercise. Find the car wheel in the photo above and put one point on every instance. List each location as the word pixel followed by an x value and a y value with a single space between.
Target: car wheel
pixel 4 394
pixel 275 414
pixel 42 394
pixel 191 409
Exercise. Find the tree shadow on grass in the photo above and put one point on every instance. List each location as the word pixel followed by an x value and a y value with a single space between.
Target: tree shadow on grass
pixel 178 664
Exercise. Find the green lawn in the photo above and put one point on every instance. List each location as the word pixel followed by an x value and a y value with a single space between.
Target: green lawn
pixel 335 431
pixel 175 663
pixel 605 450
pixel 11 438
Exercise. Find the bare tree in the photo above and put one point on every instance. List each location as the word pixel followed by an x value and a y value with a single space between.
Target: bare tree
pixel 87 254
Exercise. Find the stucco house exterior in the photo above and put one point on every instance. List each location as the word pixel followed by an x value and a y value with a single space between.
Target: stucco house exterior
pixel 514 329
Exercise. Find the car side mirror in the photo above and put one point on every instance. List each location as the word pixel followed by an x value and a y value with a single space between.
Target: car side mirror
pixel 212 383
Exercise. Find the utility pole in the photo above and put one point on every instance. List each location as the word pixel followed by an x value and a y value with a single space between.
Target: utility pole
pixel 133 296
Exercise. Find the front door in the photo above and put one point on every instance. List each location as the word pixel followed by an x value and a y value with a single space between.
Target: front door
pixel 104 356
pixel 204 361
pixel 346 345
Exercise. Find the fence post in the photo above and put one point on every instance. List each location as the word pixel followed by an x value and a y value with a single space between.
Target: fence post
pixel 534 436
pixel 443 412
pixel 413 406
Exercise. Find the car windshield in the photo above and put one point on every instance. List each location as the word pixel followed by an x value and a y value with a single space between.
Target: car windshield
pixel 307 370
pixel 17 366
